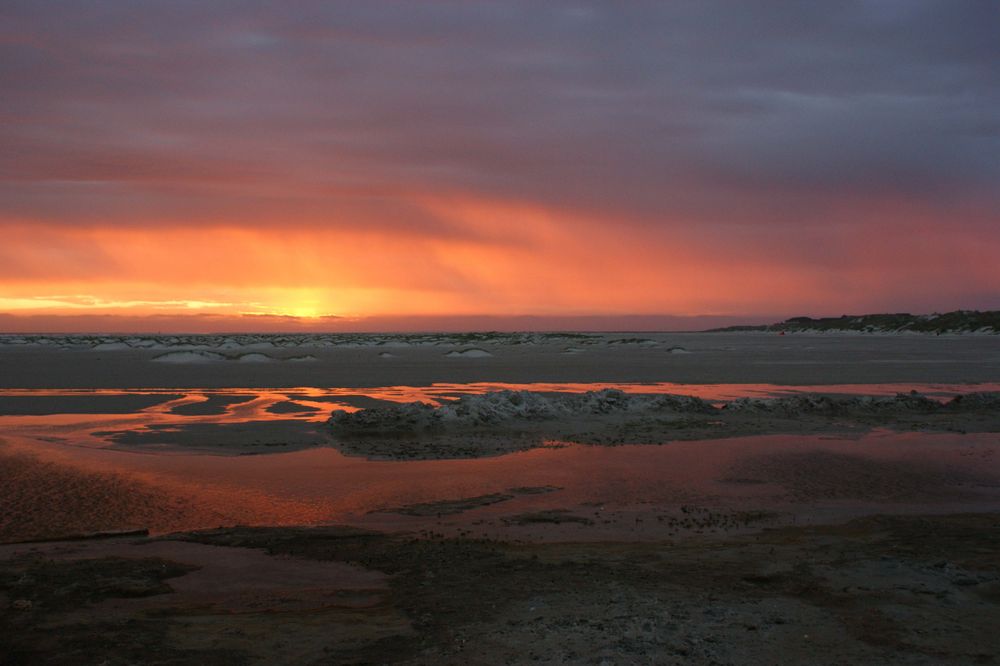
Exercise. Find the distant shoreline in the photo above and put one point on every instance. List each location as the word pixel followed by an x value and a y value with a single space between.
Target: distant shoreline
pixel 955 322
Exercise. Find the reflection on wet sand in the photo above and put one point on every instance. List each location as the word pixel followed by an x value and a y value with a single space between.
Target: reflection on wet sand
pixel 732 535
pixel 158 409
pixel 148 468
pixel 613 488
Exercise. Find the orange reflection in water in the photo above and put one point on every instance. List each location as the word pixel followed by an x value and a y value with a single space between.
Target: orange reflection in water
pixel 327 398
pixel 260 404
pixel 322 486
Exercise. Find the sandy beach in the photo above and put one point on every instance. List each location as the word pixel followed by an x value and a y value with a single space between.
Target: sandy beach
pixel 492 333
pixel 358 361
pixel 754 499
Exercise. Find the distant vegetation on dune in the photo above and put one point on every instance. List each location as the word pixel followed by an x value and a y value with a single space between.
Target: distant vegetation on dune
pixel 959 321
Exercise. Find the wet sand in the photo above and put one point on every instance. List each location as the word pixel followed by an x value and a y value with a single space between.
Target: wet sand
pixel 712 358
pixel 454 420
pixel 796 478
pixel 874 590
pixel 44 499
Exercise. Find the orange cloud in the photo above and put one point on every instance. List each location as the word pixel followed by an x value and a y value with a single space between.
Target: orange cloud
pixel 513 258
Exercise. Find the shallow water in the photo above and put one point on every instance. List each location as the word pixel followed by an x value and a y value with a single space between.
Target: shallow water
pixel 622 491
pixel 257 404
pixel 622 485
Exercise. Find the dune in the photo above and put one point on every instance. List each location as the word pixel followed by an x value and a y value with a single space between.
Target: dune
pixel 110 346
pixel 189 357
pixel 469 353
pixel 255 358
pixel 142 343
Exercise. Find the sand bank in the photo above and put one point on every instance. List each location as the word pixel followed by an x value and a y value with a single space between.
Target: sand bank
pixel 711 358
pixel 504 421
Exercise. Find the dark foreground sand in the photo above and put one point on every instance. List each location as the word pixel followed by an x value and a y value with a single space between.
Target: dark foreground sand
pixel 906 590
pixel 696 586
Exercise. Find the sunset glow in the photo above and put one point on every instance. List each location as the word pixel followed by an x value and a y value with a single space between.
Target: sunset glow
pixel 345 163
pixel 499 332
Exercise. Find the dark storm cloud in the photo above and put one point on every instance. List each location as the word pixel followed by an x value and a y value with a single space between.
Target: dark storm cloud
pixel 656 113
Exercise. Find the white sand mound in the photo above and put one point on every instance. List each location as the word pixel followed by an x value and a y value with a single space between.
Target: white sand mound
pixel 200 356
pixel 469 353
pixel 255 358
pixel 110 346
pixel 387 355
pixel 640 342
pixel 678 350
pixel 189 357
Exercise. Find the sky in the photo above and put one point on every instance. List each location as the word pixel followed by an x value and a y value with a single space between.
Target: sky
pixel 414 165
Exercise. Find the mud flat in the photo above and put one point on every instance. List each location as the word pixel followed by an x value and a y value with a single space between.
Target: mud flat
pixel 561 577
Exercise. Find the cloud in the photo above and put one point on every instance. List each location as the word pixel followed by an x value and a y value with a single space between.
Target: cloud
pixel 213 323
pixel 776 139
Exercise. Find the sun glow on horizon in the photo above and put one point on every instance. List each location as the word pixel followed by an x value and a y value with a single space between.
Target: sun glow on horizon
pixel 301 310
pixel 327 164
pixel 91 303
pixel 511 259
